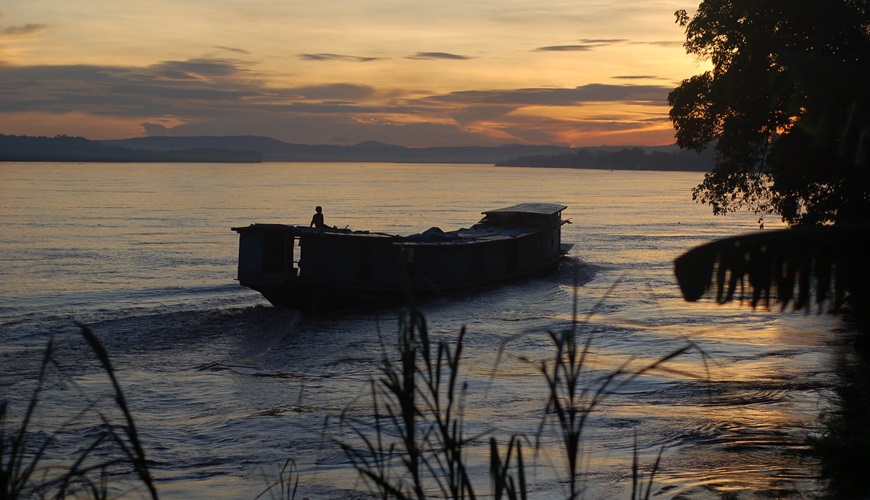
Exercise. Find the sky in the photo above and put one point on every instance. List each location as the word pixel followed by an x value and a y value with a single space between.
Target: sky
pixel 417 73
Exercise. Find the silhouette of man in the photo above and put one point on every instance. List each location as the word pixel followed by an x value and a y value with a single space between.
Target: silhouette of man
pixel 317 220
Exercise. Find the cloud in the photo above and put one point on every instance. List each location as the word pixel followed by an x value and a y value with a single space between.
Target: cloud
pixel 196 69
pixel 667 44
pixel 438 55
pixel 637 94
pixel 193 89
pixel 565 48
pixel 233 49
pixel 223 96
pixel 603 41
pixel 335 91
pixel 636 77
pixel 25 30
pixel 345 128
pixel 153 128
pixel 336 57
pixel 169 87
pixel 583 45
pixel 475 114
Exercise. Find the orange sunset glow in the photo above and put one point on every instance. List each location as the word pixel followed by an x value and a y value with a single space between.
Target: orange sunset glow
pixel 446 73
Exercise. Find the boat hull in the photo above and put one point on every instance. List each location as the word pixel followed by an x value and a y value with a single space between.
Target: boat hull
pixel 313 297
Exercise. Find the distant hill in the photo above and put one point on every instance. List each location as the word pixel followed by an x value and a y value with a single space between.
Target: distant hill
pixel 602 157
pixel 245 149
pixel 63 148
pixel 668 158
pixel 273 150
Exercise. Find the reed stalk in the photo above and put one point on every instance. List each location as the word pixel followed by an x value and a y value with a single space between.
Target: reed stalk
pixel 18 463
pixel 420 400
pixel 415 446
pixel 24 452
pixel 286 485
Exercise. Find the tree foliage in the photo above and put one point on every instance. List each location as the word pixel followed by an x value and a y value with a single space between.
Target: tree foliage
pixel 800 266
pixel 785 104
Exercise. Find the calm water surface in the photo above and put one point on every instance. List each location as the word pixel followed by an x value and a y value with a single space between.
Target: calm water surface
pixel 225 387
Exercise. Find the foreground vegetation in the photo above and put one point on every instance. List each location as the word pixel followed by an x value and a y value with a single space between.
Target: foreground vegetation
pixel 412 444
pixel 27 469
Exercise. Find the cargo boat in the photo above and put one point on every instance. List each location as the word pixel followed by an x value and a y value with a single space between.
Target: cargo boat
pixel 316 269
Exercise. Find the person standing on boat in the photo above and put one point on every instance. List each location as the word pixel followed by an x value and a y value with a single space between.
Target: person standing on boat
pixel 317 220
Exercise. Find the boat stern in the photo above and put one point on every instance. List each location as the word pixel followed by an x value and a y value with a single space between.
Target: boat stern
pixel 266 257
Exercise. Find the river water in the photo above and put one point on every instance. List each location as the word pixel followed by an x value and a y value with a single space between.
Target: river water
pixel 224 387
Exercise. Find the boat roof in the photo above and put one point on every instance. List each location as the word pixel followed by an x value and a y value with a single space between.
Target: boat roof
pixel 529 208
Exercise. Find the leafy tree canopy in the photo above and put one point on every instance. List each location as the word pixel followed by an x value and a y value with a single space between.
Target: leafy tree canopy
pixel 786 105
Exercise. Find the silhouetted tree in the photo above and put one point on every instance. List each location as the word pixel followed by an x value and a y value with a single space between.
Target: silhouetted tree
pixel 786 105
pixel 802 267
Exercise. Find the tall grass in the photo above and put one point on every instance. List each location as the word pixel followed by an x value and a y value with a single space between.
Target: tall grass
pixel 18 457
pixel 286 485
pixel 574 392
pixel 419 401
pixel 26 471
pixel 413 444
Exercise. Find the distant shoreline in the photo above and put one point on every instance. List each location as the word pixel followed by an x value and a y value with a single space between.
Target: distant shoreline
pixel 253 149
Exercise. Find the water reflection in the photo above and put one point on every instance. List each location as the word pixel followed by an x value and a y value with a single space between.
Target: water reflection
pixel 843 446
